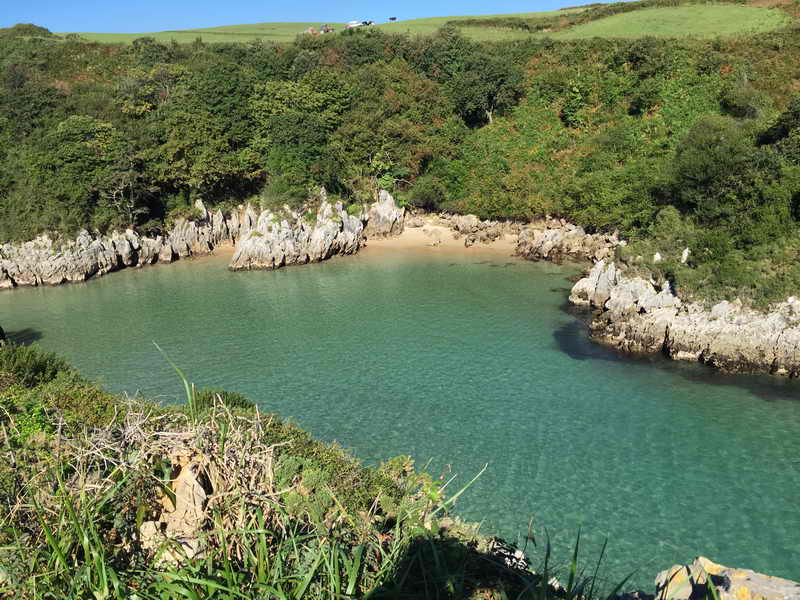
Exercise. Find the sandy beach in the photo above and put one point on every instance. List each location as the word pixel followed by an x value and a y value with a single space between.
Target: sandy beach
pixel 423 238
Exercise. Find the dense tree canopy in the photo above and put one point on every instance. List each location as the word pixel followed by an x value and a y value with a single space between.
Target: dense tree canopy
pixel 608 133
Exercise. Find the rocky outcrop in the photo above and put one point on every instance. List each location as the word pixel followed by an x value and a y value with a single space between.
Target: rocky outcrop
pixel 557 240
pixel 475 230
pixel 637 316
pixel 693 582
pixel 266 241
pixel 384 218
pixel 275 242
pixel 48 261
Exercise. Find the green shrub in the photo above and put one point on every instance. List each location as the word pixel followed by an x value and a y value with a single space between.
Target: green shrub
pixel 575 102
pixel 428 193
pixel 30 365
pixel 743 101
pixel 646 97
pixel 205 398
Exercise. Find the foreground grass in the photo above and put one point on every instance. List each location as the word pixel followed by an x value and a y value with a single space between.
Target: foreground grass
pixel 104 497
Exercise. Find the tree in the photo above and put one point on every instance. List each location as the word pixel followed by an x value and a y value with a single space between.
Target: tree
pixel 726 182
pixel 478 80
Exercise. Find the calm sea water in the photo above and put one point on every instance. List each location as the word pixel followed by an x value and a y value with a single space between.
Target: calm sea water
pixel 461 361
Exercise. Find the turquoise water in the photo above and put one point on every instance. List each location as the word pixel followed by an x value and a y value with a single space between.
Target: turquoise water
pixel 461 361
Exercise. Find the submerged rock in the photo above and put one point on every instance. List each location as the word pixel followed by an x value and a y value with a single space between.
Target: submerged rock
pixel 636 316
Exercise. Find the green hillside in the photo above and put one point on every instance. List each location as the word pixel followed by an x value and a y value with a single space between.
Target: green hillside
pixel 706 20
pixel 697 20
pixel 268 32
pixel 286 32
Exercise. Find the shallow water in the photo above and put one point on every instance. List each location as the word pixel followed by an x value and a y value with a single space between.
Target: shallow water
pixel 461 361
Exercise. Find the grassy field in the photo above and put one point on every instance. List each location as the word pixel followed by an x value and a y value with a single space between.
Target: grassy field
pixel 286 32
pixel 268 32
pixel 432 24
pixel 696 21
pixel 683 21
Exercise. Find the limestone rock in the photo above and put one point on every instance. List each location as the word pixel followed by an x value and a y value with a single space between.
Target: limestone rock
pixel 558 240
pixel 275 242
pixel 53 261
pixel 180 522
pixel 634 317
pixel 508 554
pixel 384 218
pixel 414 222
pixel 691 582
pixel 474 230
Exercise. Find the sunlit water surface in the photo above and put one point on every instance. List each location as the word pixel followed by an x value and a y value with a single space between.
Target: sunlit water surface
pixel 461 361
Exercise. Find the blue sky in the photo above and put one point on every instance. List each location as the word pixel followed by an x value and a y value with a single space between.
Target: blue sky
pixel 134 16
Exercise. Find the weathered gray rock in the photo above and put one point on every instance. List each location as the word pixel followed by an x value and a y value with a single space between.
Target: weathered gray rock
pixel 634 316
pixel 474 230
pixel 275 242
pixel 48 261
pixel 265 241
pixel 692 582
pixel 557 240
pixel 384 218
pixel 414 221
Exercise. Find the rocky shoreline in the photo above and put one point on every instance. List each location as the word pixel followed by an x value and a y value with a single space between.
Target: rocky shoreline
pixel 638 316
pixel 271 242
pixel 693 582
pixel 264 240
pixel 45 261
pixel 631 314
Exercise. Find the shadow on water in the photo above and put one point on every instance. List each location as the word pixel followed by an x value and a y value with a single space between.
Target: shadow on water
pixel 24 337
pixel 573 339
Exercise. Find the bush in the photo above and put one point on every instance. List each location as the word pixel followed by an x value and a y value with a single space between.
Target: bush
pixel 30 365
pixel 646 97
pixel 26 30
pixel 743 101
pixel 428 193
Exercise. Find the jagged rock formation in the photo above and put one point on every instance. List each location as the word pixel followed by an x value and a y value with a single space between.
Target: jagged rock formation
pixel 384 218
pixel 273 242
pixel 266 242
pixel 691 582
pixel 635 316
pixel 45 261
pixel 557 240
